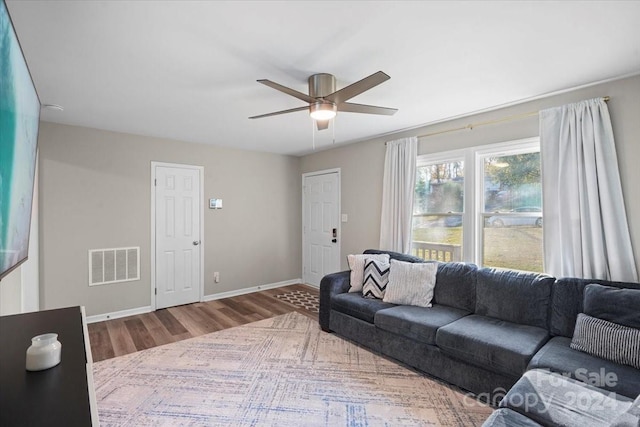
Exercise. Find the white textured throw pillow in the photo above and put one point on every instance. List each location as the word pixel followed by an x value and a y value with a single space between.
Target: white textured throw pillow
pixel 356 264
pixel 411 283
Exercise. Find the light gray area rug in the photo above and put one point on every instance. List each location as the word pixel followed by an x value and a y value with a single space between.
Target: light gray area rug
pixel 282 371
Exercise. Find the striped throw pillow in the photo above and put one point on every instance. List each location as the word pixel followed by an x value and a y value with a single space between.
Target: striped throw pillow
pixel 411 283
pixel 376 277
pixel 607 340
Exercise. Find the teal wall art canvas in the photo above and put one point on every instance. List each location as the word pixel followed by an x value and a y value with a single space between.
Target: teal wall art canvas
pixel 19 119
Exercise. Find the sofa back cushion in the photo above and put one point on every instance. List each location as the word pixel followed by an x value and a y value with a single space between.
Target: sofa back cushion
pixel 621 306
pixel 395 255
pixel 567 301
pixel 515 296
pixel 456 285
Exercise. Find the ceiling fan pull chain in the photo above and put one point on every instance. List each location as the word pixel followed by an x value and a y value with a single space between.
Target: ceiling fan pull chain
pixel 334 129
pixel 313 135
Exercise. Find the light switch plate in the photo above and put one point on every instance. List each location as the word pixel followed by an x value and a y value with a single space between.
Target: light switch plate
pixel 345 218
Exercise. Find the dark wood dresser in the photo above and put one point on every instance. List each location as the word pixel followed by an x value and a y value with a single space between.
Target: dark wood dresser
pixel 59 396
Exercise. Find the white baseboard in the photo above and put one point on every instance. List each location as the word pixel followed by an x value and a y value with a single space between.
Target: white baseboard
pixel 252 289
pixel 147 309
pixel 118 314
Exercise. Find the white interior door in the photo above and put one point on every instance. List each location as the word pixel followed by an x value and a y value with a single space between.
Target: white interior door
pixel 320 226
pixel 177 235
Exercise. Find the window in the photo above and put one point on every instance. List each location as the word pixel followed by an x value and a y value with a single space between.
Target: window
pixel 482 205
pixel 438 206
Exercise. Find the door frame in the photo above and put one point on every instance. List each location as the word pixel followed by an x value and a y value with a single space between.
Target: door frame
pixel 200 170
pixel 338 219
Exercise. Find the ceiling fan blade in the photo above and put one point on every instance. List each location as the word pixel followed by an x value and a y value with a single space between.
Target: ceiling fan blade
pixel 322 124
pixel 348 107
pixel 292 110
pixel 302 96
pixel 346 93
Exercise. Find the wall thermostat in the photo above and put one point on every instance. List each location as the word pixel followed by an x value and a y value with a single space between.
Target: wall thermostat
pixel 215 203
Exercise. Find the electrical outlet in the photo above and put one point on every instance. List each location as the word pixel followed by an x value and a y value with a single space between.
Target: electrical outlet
pixel 216 277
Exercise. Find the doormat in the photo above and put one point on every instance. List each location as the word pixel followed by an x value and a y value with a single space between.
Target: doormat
pixel 301 299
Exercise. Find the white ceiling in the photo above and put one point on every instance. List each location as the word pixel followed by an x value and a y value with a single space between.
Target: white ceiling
pixel 187 70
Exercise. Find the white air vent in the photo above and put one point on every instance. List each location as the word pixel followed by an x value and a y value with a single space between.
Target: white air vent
pixel 114 265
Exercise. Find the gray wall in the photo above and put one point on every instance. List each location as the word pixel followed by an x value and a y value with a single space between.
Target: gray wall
pixel 362 163
pixel 95 193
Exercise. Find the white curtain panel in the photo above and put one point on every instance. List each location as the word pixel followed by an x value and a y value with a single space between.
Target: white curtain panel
pixel 397 194
pixel 585 225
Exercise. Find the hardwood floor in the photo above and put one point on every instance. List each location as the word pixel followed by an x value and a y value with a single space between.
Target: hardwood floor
pixel 118 337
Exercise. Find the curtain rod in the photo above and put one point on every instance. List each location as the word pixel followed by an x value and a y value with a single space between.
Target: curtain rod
pixel 489 122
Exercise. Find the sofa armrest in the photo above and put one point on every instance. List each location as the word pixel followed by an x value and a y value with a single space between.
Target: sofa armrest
pixel 331 284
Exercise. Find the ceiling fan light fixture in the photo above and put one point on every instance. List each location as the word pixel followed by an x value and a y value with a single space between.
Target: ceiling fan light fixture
pixel 324 101
pixel 323 110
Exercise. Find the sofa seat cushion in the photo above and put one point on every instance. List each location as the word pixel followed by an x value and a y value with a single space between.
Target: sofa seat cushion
pixel 551 399
pixel 355 305
pixel 491 343
pixel 417 323
pixel 504 417
pixel 557 356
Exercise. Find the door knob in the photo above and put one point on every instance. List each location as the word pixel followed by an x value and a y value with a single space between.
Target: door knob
pixel 334 240
pixel 196 242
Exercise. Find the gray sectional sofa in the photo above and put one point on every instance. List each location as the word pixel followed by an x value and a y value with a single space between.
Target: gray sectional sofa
pixel 544 398
pixel 487 327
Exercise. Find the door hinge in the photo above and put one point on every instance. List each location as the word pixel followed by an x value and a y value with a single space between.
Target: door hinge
pixel 156 290
pixel 155 182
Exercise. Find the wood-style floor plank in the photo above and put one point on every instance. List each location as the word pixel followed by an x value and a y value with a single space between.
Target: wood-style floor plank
pixel 139 334
pixel 236 318
pixel 215 317
pixel 100 340
pixel 194 312
pixel 157 330
pixel 270 305
pixel 194 327
pixel 173 326
pixel 118 337
pixel 236 305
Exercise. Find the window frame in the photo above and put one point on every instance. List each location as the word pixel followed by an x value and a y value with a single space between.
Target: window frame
pixel 473 203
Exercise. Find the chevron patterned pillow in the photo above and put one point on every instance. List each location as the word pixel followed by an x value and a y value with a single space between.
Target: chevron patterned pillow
pixel 376 277
pixel 356 264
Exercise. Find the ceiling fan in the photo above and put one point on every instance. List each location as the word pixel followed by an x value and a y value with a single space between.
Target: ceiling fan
pixel 325 101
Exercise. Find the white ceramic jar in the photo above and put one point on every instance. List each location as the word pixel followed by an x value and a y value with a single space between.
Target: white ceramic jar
pixel 44 352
